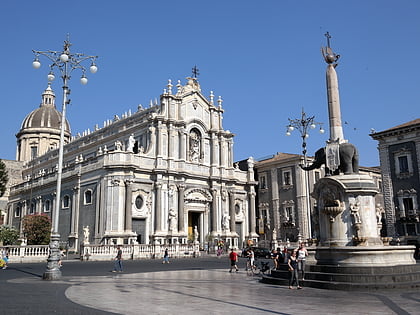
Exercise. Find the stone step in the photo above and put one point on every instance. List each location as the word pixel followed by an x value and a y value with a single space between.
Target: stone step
pixel 352 278
pixel 347 286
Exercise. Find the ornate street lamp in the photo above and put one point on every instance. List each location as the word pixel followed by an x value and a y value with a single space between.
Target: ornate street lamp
pixel 303 125
pixel 65 61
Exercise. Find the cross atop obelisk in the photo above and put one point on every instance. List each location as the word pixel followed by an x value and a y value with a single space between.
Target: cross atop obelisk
pixel 334 112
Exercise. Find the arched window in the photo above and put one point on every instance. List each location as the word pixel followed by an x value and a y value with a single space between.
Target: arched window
pixel 47 205
pixel 88 197
pixel 32 208
pixel 17 212
pixel 195 145
pixel 66 202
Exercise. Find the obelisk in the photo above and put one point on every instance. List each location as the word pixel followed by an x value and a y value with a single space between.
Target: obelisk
pixel 334 112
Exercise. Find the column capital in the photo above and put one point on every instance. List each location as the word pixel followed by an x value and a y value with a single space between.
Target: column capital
pixel 128 181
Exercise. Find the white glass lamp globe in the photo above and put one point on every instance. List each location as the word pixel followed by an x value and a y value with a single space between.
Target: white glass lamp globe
pixel 51 76
pixel 290 128
pixel 313 126
pixel 288 133
pixel 321 131
pixel 93 68
pixel 306 135
pixel 83 80
pixel 36 64
pixel 64 57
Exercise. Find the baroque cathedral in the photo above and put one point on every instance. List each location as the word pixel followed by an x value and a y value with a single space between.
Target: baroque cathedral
pixel 162 175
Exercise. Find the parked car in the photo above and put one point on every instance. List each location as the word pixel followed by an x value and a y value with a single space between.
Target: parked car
pixel 259 252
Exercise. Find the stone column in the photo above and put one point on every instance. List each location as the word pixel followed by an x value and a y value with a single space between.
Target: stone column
pixel 158 208
pixel 38 206
pixel 181 210
pixel 183 142
pixel 222 147
pixel 232 213
pixel 214 149
pixel 159 139
pixel 170 141
pixel 214 210
pixel 251 196
pixel 128 205
pixel 75 212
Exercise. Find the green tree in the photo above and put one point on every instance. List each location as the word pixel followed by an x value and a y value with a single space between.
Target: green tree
pixel 3 178
pixel 8 235
pixel 37 229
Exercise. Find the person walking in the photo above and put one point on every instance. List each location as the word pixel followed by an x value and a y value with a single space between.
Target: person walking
pixel 118 261
pixel 251 258
pixel 166 256
pixel 302 253
pixel 233 257
pixel 293 271
pixel 4 258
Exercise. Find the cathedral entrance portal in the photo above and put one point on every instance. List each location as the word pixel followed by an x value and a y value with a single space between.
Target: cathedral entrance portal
pixel 194 219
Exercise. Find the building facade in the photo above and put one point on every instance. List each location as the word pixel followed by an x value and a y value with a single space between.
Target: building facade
pixel 162 175
pixel 286 210
pixel 399 155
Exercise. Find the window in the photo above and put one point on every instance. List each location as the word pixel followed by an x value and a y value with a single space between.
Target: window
pixel 237 209
pixel 139 202
pixel 287 178
pixel 263 182
pixel 289 214
pixel 403 164
pixel 17 212
pixel 408 203
pixel 34 152
pixel 317 176
pixel 88 197
pixel 32 208
pixel 66 201
pixel 47 205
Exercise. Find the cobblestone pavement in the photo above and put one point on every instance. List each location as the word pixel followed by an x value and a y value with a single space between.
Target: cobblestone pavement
pixel 220 292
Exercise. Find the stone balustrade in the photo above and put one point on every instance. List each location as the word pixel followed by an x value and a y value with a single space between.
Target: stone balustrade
pixel 39 253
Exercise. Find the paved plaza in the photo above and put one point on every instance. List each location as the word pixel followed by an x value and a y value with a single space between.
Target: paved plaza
pixel 186 286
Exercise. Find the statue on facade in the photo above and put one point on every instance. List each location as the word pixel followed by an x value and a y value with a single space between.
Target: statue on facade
pixel 172 220
pixel 194 146
pixel 86 234
pixel 354 211
pixel 131 143
pixel 195 234
pixel 225 222
pixel 118 145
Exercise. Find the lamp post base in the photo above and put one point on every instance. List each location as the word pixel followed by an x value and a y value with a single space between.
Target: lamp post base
pixel 53 271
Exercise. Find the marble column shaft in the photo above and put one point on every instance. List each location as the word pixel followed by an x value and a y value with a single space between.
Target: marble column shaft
pixel 128 205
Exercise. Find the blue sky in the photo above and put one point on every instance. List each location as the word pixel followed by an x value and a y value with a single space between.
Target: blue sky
pixel 262 57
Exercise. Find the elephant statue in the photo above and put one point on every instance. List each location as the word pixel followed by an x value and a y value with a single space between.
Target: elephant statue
pixel 349 160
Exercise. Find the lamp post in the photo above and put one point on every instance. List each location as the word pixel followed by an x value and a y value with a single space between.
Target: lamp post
pixel 66 62
pixel 303 125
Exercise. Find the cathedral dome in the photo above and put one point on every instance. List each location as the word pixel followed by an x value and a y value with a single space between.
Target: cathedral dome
pixel 40 130
pixel 45 116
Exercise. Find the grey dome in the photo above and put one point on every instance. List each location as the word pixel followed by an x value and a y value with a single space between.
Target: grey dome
pixel 46 116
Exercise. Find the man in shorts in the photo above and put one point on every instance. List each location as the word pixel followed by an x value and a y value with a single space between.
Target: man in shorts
pixel 233 257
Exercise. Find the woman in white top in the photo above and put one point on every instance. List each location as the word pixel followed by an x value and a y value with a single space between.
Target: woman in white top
pixel 302 253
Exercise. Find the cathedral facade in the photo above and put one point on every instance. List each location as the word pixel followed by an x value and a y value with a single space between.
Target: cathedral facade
pixel 162 175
